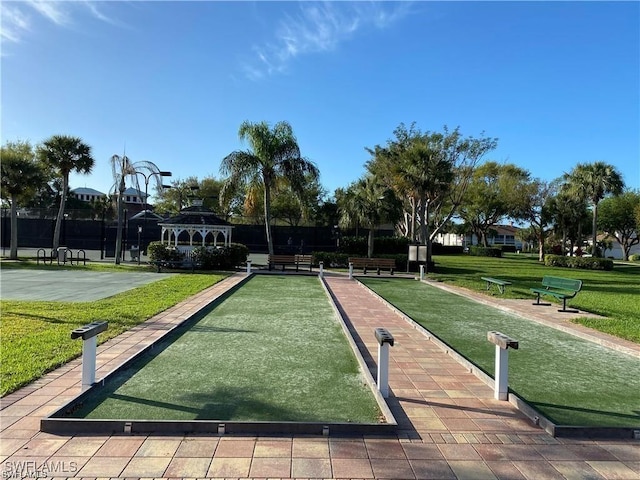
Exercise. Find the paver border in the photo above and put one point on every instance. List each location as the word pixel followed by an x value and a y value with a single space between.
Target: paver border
pixel 536 417
pixel 57 423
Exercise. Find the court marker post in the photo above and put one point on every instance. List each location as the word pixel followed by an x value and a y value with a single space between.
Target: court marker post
pixel 385 339
pixel 89 334
pixel 502 343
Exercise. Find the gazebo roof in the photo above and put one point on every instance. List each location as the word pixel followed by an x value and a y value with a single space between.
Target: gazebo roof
pixel 195 215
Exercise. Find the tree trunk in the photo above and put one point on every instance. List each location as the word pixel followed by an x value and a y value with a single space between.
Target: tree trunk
pixel 13 249
pixel 118 253
pixel 412 235
pixel 267 216
pixel 564 241
pixel 594 230
pixel 541 245
pixel 370 243
pixel 427 236
pixel 63 200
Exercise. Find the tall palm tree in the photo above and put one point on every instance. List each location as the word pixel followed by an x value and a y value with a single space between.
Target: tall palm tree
pixel 21 177
pixel 369 203
pixel 593 182
pixel 65 154
pixel 273 155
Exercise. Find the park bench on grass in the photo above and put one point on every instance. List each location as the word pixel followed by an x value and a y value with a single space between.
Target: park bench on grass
pixel 296 260
pixel 496 281
pixel 375 263
pixel 562 288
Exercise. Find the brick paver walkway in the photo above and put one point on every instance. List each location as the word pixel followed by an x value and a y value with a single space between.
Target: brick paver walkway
pixel 450 426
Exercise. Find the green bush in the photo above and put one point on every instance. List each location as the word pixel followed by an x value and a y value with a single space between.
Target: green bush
pixel 584 263
pixel 439 249
pixel 635 257
pixel 331 259
pixel 485 251
pixel 506 248
pixel 220 257
pixel 158 251
pixel 353 246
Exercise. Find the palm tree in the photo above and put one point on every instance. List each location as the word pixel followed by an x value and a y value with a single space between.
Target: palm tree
pixel 65 154
pixel 593 182
pixel 274 155
pixel 369 203
pixel 21 177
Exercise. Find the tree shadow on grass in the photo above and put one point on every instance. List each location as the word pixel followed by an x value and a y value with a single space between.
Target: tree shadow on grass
pixel 220 403
pixel 545 408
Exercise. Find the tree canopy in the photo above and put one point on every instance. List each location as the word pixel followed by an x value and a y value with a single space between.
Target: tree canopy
pixel 65 154
pixel 273 156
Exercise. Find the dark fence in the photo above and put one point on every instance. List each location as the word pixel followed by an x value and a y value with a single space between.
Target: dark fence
pixel 101 235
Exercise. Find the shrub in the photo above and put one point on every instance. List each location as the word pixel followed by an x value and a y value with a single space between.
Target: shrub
pixel 331 259
pixel 353 245
pixel 439 249
pixel 635 257
pixel 220 257
pixel 585 263
pixel 485 251
pixel 506 248
pixel 158 251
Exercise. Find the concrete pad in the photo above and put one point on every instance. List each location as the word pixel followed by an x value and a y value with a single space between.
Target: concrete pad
pixel 69 285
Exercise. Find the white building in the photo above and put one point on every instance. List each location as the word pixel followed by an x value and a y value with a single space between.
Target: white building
pixel 87 194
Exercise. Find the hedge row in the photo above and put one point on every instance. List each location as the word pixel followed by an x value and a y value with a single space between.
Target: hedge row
pixel 485 251
pixel 585 263
pixel 341 260
pixel 225 257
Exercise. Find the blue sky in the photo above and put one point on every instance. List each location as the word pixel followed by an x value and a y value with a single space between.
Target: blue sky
pixel 556 82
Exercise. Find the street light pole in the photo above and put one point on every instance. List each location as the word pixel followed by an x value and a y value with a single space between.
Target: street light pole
pixel 147 178
pixel 139 249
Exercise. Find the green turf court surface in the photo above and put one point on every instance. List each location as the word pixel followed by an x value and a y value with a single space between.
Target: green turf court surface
pixel 273 350
pixel 572 381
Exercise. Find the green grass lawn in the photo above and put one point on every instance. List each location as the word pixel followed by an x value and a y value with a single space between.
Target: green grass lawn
pixel 35 336
pixel 614 294
pixel 273 350
pixel 570 380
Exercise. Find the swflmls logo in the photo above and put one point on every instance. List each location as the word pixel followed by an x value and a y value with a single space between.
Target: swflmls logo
pixel 34 469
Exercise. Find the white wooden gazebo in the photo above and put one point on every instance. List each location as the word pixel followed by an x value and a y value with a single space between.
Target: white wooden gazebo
pixel 197 225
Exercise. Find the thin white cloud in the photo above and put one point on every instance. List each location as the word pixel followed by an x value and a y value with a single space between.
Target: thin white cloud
pixel 320 27
pixel 18 17
pixel 56 12
pixel 14 23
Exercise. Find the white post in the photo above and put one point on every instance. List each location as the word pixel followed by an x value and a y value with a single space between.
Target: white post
pixel 321 269
pixel 89 362
pixel 248 267
pixel 383 369
pixel 350 271
pixel 501 388
pixel 421 272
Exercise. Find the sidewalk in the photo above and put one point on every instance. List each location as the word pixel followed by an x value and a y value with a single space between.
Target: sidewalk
pixel 450 427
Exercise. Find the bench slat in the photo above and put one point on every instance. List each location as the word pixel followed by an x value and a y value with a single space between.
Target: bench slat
pixel 377 263
pixel 558 287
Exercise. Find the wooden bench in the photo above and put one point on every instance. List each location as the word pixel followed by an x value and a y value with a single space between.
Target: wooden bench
pixel 496 281
pixel 304 260
pixel 374 263
pixel 285 260
pixel 561 288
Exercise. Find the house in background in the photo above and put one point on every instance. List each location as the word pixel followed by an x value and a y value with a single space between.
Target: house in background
pixel 87 194
pixel 500 235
